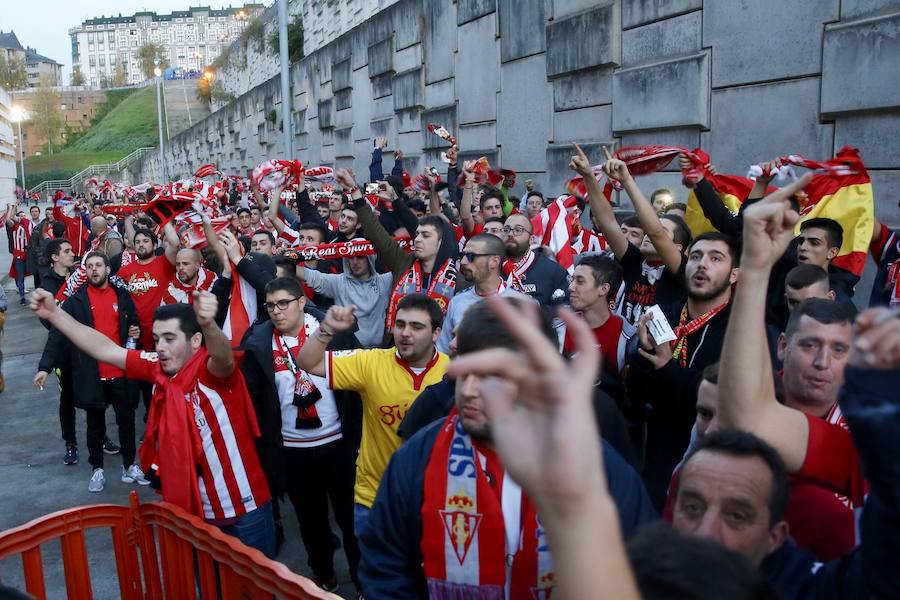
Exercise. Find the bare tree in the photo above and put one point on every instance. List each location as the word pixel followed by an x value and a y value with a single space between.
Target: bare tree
pixel 46 114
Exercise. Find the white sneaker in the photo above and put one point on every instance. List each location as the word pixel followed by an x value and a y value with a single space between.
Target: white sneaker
pixel 97 482
pixel 133 474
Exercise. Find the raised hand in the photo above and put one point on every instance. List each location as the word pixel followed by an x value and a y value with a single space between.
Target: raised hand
pixel 231 246
pixel 876 339
pixel 769 226
pixel 615 168
pixel 580 163
pixel 42 303
pixel 339 318
pixel 345 178
pixel 205 307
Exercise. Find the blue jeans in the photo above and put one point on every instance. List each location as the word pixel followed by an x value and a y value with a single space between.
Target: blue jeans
pixel 360 518
pixel 255 529
pixel 20 277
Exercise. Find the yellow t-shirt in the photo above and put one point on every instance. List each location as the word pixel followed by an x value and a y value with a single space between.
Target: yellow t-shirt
pixel 387 386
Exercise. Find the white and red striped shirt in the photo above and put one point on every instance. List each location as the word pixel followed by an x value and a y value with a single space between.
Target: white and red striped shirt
pixel 21 235
pixel 179 293
pixel 232 482
pixel 285 383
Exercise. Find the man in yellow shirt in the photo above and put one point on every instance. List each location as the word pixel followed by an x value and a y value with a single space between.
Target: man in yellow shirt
pixel 387 379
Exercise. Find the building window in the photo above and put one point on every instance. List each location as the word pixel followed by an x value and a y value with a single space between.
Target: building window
pixel 102 60
pixel 91 60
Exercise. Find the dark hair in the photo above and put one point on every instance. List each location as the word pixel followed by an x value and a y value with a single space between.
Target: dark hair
pixel 604 269
pixel 711 373
pixel 676 206
pixel 632 221
pixel 803 276
pixel 54 247
pixel 534 193
pixel 145 232
pixel 145 222
pixel 682 233
pixel 187 318
pixel 265 232
pixel 281 260
pixel 834 233
pixel 416 204
pixel 492 244
pixel 826 312
pixel 291 285
pixel 312 226
pixel 734 246
pixel 667 564
pixel 96 254
pixel 58 228
pixel 736 442
pixel 480 329
pixel 494 220
pixel 426 303
pixel 243 210
pixel 433 221
pixel 490 192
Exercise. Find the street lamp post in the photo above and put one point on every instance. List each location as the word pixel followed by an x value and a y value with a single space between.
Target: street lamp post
pixel 18 115
pixel 162 150
pixel 286 100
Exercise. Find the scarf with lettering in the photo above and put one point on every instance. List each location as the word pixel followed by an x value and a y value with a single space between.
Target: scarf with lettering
pixel 688 327
pixel 463 527
pixel 306 394
pixel 440 289
pixel 515 271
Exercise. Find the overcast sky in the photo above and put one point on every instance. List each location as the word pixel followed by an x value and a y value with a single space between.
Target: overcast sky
pixel 44 24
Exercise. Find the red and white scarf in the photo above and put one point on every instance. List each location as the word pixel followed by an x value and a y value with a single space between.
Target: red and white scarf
pixel 179 293
pixel 307 416
pixel 688 327
pixel 465 543
pixel 515 271
pixel 242 308
pixel 440 289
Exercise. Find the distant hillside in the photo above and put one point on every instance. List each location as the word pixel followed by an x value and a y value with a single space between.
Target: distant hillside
pixel 127 127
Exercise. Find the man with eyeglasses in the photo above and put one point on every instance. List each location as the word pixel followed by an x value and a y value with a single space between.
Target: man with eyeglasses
pixel 529 271
pixel 302 447
pixel 480 263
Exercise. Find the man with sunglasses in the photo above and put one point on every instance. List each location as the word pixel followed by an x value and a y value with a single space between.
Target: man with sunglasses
pixel 531 272
pixel 302 447
pixel 480 263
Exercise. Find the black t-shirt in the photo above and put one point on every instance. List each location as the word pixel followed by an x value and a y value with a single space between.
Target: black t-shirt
pixel 640 293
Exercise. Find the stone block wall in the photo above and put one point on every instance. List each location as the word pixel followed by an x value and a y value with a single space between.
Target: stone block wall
pixel 521 81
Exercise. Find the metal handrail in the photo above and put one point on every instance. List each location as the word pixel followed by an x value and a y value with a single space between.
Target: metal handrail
pixel 101 169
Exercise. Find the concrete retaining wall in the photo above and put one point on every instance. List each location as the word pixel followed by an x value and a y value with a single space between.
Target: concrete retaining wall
pixel 521 81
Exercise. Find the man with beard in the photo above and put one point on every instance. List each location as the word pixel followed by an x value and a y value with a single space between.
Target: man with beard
pixel 148 276
pixel 110 311
pixel 388 380
pixel 447 487
pixel 654 269
pixel 480 263
pixel 531 272
pixel 189 276
pixel 712 268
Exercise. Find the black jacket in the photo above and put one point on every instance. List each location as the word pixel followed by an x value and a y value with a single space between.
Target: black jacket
pixel 58 351
pixel 51 282
pixel 546 281
pixel 258 367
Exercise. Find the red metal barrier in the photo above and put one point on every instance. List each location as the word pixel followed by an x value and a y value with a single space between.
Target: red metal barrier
pixel 161 552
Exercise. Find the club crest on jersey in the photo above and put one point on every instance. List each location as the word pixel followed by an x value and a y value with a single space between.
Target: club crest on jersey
pixel 461 523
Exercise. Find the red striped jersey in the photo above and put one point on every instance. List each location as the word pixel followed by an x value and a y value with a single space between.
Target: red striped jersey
pixel 21 235
pixel 231 480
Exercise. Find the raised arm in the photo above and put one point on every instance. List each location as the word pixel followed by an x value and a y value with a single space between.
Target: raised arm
pixel 747 390
pixel 221 356
pixel 646 214
pixel 272 210
pixel 173 244
pixel 88 340
pixel 465 207
pixel 601 210
pixel 312 356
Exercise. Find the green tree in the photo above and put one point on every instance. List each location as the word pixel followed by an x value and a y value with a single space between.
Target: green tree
pixel 77 77
pixel 148 55
pixel 295 39
pixel 121 77
pixel 45 113
pixel 13 75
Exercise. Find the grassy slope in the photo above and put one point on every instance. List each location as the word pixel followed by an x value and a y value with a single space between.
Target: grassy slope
pixel 127 127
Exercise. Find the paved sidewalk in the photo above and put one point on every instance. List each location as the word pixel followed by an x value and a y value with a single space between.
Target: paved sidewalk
pixel 35 481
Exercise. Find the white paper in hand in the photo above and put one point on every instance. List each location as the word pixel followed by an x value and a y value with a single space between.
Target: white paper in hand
pixel 658 326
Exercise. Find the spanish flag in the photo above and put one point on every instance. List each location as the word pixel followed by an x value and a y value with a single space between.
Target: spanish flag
pixel 732 190
pixel 843 192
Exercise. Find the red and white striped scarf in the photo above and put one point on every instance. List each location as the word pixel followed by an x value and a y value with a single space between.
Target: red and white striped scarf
pixel 440 289
pixel 515 271
pixel 553 225
pixel 179 293
pixel 465 545
pixel 242 308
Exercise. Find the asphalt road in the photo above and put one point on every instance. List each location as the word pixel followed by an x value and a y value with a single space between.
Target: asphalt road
pixel 35 482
